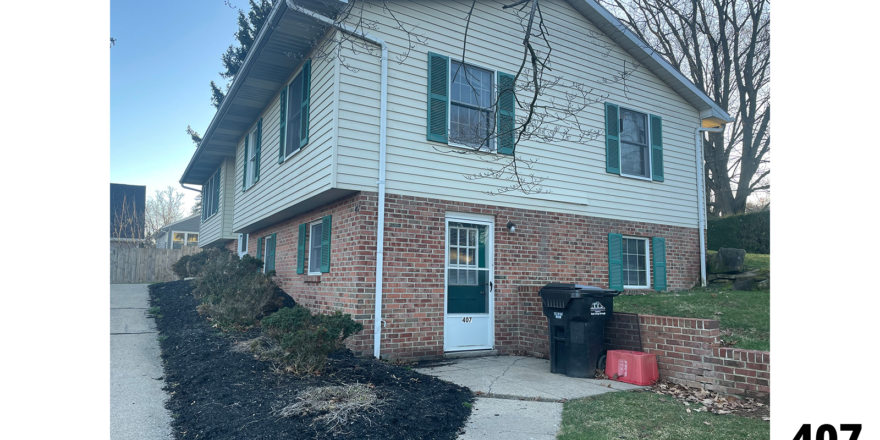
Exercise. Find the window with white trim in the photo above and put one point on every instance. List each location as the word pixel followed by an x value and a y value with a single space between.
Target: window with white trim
pixel 242 244
pixel 471 96
pixel 635 148
pixel 316 234
pixel 181 239
pixel 636 271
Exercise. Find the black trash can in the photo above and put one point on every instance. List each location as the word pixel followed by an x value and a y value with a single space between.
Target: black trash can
pixel 576 317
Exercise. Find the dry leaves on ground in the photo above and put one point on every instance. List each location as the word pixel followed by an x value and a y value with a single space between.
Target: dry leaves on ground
pixel 713 402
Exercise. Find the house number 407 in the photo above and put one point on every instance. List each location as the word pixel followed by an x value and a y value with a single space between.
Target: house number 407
pixel 827 432
pixel 467 319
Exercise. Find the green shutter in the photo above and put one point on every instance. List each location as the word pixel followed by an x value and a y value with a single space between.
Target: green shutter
pixel 306 99
pixel 659 250
pixel 506 120
pixel 612 139
pixel 615 261
pixel 215 206
pixel 270 252
pixel 244 167
pixel 438 97
pixel 260 248
pixel 326 224
pixel 203 203
pixel 301 249
pixel 657 148
pixel 258 147
pixel 282 134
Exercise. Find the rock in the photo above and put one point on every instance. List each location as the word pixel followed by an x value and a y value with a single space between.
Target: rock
pixel 726 260
pixel 744 284
pixel 762 285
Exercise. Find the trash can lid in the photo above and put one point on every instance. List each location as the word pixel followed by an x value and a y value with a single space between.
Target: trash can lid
pixel 579 290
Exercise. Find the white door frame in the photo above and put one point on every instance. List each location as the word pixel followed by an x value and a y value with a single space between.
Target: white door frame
pixel 490 265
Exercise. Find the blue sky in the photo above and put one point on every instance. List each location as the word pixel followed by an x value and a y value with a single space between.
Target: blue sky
pixel 166 54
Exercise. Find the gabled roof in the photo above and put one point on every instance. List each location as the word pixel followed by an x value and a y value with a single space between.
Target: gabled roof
pixel 627 39
pixel 188 224
pixel 287 36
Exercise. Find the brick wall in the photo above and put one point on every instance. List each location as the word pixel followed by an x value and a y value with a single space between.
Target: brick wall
pixel 546 247
pixel 687 354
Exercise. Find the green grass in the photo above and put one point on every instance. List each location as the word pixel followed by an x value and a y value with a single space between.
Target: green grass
pixel 745 316
pixel 646 415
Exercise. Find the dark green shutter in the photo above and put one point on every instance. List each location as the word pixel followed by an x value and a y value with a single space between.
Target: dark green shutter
pixel 615 261
pixel 306 99
pixel 438 97
pixel 244 167
pixel 506 120
pixel 260 248
pixel 215 206
pixel 612 138
pixel 258 147
pixel 301 249
pixel 658 246
pixel 657 148
pixel 203 203
pixel 270 252
pixel 326 224
pixel 282 135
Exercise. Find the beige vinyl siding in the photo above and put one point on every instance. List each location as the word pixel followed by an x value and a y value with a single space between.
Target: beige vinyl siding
pixel 219 226
pixel 307 172
pixel 576 171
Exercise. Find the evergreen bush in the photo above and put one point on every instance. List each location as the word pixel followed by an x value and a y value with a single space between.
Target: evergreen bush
pixel 307 339
pixel 745 231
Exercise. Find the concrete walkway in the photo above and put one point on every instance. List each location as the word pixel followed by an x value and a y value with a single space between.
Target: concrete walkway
pixel 137 401
pixel 504 381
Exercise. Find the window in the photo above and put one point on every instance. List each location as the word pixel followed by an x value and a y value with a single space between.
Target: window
pixel 211 196
pixel 633 143
pixel 251 164
pixel 242 244
pixel 471 118
pixel 635 263
pixel 316 234
pixel 295 113
pixel 635 153
pixel 181 239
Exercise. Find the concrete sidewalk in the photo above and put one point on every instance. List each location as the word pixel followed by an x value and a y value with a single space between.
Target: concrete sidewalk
pixel 137 401
pixel 520 398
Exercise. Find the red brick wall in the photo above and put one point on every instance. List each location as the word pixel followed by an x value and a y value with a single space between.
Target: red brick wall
pixel 546 247
pixel 687 354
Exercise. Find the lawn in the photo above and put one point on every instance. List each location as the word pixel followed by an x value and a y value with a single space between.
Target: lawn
pixel 640 414
pixel 744 316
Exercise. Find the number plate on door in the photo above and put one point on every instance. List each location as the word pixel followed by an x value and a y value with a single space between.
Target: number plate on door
pixel 467 319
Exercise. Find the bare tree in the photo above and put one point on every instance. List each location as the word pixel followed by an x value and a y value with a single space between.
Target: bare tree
pixel 549 107
pixel 163 208
pixel 723 46
pixel 127 224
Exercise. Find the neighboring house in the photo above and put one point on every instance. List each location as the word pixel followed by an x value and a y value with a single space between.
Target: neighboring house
pixel 184 232
pixel 306 175
pixel 127 208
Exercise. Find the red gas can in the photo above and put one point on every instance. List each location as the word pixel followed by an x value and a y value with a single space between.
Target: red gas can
pixel 632 367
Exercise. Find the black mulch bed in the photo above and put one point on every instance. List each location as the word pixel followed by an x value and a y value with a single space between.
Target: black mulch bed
pixel 220 394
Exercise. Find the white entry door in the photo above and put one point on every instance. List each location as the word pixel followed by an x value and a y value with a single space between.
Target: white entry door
pixel 469 299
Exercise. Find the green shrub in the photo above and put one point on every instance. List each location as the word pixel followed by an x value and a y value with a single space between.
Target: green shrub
pixel 746 231
pixel 191 265
pixel 234 293
pixel 308 338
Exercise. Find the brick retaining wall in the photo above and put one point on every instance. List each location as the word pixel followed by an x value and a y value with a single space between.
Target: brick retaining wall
pixel 687 354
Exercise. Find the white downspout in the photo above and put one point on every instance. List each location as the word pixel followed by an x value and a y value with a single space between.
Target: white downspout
pixel 383 126
pixel 701 197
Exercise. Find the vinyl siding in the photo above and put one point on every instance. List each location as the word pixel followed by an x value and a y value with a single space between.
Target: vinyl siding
pixel 219 225
pixel 302 175
pixel 575 171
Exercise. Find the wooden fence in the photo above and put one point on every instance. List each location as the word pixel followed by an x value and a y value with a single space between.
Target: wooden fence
pixel 145 265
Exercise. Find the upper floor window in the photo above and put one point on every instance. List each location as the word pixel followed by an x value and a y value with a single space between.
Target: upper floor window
pixel 471 118
pixel 252 159
pixel 295 113
pixel 635 153
pixel 211 196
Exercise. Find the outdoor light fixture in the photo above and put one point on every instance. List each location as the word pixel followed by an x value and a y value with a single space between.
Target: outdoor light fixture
pixel 511 226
